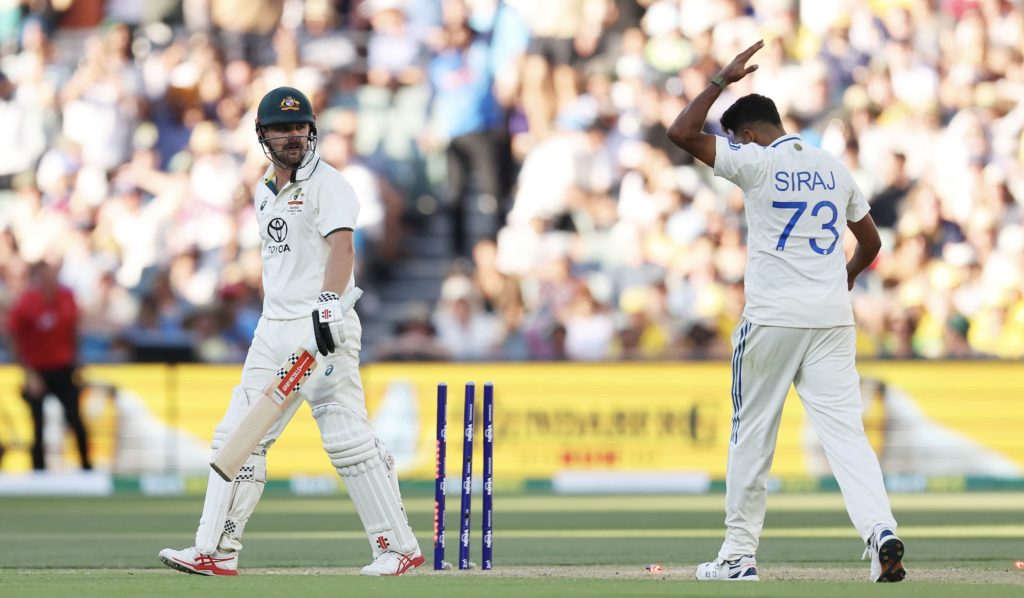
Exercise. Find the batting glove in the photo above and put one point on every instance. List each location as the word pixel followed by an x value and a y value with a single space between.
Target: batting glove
pixel 329 318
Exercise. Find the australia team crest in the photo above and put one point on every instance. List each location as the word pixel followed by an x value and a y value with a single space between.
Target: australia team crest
pixel 296 200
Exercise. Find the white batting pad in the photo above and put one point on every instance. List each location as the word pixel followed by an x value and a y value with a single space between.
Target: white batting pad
pixel 248 488
pixel 228 505
pixel 369 476
pixel 215 511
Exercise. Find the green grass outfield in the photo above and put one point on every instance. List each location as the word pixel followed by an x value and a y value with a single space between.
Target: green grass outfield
pixel 544 546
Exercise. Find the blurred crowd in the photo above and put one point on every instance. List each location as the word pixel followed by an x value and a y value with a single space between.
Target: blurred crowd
pixel 130 157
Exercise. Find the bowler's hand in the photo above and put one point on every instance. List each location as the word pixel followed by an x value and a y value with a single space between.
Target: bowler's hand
pixel 329 318
pixel 851 277
pixel 737 69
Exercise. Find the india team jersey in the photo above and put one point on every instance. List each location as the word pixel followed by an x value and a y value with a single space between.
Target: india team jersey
pixel 797 201
pixel 294 222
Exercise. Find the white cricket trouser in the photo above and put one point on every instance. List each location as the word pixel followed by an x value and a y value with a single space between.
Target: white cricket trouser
pixel 821 363
pixel 335 380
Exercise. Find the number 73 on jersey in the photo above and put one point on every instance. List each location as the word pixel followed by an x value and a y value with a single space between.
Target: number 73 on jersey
pixel 799 207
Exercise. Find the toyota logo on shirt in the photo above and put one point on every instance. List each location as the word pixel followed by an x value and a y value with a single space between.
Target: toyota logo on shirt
pixel 277 230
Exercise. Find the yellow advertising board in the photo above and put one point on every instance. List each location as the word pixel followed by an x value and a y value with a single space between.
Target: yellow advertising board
pixel 947 418
pixel 558 417
pixel 927 418
pixel 922 418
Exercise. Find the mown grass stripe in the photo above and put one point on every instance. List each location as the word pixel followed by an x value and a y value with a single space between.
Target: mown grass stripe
pixel 993 501
pixel 931 531
pixel 987 501
pixel 505 503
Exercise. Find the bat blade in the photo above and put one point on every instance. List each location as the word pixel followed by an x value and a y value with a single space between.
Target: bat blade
pixel 273 399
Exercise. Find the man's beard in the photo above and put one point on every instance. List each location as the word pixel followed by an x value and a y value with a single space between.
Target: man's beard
pixel 293 164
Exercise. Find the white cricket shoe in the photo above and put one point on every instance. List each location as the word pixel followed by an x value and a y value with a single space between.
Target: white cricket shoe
pixel 394 563
pixel 741 569
pixel 886 552
pixel 190 560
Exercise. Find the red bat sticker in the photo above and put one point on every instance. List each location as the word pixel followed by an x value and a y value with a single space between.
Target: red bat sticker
pixel 296 373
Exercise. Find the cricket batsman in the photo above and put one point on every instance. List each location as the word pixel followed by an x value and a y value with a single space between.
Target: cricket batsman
pixel 306 213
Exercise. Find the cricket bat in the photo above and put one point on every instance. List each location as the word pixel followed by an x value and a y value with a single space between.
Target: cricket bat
pixel 274 398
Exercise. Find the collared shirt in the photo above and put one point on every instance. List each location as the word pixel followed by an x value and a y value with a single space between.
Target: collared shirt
pixel 44 328
pixel 294 224
pixel 797 200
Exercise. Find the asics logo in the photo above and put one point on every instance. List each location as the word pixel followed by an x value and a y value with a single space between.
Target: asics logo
pixel 205 559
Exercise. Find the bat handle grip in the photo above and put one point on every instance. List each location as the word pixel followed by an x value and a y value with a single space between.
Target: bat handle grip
pixel 349 298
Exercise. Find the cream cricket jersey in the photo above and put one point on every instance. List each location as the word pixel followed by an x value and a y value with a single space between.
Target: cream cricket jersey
pixel 294 222
pixel 797 200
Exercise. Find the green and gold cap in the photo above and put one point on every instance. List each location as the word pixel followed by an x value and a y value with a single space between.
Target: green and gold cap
pixel 284 105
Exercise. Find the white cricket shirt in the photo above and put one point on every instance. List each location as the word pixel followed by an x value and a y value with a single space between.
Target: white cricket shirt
pixel 797 200
pixel 294 222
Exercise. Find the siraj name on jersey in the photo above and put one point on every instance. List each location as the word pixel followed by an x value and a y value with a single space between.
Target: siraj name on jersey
pixel 802 180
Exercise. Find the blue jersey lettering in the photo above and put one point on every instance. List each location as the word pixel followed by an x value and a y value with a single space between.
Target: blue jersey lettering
pixel 820 181
pixel 802 180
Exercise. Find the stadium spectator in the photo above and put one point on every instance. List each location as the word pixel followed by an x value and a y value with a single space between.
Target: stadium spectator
pixel 469 124
pixel 392 103
pixel 562 32
pixel 245 26
pixel 414 338
pixel 381 207
pixel 589 327
pixel 463 327
pixel 897 184
pixel 130 154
